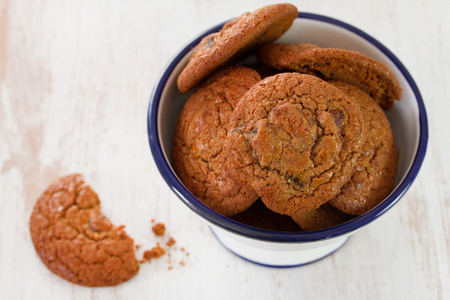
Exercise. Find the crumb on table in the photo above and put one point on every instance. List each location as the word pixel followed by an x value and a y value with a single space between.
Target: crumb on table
pixel 171 242
pixel 155 252
pixel 159 229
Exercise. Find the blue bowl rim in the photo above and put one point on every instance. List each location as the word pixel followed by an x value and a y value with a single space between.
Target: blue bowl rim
pixel 268 235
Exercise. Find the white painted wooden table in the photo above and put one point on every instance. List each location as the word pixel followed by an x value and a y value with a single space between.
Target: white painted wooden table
pixel 75 80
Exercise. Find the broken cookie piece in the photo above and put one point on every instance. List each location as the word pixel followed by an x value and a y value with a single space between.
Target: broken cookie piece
pixel 76 241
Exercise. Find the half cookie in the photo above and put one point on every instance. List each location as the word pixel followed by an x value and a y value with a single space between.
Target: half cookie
pixel 76 241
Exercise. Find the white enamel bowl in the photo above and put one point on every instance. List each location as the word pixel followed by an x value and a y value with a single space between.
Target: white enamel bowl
pixel 283 249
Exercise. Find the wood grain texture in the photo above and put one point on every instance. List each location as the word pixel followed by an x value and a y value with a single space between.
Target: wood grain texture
pixel 75 80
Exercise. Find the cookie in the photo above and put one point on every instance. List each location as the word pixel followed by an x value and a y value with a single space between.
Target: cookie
pixel 370 75
pixel 76 241
pixel 200 131
pixel 237 38
pixel 376 169
pixel 296 138
pixel 259 216
pixel 324 217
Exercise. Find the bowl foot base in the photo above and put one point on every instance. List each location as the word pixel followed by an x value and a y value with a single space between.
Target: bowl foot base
pixel 277 255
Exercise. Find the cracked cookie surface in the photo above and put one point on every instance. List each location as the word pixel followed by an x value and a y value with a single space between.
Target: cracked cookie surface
pixel 296 138
pixel 237 37
pixel 370 75
pixel 376 169
pixel 201 129
pixel 76 241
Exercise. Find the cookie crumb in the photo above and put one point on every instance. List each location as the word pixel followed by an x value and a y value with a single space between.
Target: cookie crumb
pixel 171 242
pixel 165 247
pixel 159 229
pixel 138 246
pixel 155 252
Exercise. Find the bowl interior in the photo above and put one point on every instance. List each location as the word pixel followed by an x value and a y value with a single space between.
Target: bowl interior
pixel 407 118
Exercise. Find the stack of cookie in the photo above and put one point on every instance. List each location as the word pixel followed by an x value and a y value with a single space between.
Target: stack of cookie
pixel 298 141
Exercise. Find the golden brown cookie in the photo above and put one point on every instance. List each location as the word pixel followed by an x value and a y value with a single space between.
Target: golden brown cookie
pixel 324 217
pixel 76 241
pixel 352 67
pixel 296 138
pixel 237 38
pixel 201 129
pixel 376 169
